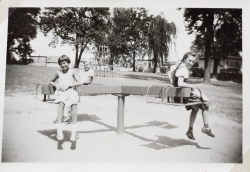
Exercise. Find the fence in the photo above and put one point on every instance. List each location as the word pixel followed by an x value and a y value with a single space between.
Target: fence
pixel 105 73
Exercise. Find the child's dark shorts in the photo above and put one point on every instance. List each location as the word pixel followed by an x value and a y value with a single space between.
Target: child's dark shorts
pixel 203 106
pixel 200 106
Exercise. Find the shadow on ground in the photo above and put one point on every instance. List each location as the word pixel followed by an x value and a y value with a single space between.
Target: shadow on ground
pixel 162 142
pixel 52 135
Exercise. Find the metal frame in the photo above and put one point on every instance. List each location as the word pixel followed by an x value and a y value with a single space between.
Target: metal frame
pixel 49 90
pixel 160 93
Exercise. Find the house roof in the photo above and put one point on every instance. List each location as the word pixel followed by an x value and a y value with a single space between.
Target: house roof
pixel 234 57
pixel 228 57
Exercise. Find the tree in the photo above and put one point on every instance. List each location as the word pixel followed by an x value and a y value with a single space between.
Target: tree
pixel 201 21
pixel 161 34
pixel 22 27
pixel 80 27
pixel 217 30
pixel 129 32
pixel 228 35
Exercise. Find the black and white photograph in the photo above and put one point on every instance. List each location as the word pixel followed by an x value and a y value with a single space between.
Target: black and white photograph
pixel 116 86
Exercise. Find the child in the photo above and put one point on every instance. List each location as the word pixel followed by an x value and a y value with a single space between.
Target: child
pixel 179 78
pixel 86 77
pixel 66 94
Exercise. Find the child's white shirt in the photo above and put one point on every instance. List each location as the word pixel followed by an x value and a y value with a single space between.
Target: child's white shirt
pixel 85 76
pixel 182 71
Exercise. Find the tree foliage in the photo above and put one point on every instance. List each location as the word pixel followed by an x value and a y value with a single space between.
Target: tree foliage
pixel 161 34
pixel 135 33
pixel 22 27
pixel 129 32
pixel 80 27
pixel 218 34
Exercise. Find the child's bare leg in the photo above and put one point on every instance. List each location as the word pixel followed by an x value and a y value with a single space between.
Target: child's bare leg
pixel 206 128
pixel 74 113
pixel 205 117
pixel 191 122
pixel 68 117
pixel 60 112
pixel 193 116
pixel 69 110
pixel 74 122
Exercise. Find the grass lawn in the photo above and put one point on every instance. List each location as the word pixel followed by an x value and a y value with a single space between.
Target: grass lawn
pixel 226 97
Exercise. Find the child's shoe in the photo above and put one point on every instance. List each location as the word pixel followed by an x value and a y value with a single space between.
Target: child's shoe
pixel 67 119
pixel 190 134
pixel 207 131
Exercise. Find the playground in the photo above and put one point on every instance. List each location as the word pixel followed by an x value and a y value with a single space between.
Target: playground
pixel 153 132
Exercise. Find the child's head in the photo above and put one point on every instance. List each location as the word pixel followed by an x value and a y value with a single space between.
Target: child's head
pixel 64 62
pixel 63 58
pixel 86 65
pixel 189 59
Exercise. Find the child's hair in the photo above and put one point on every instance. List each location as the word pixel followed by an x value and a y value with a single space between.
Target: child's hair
pixel 63 58
pixel 87 62
pixel 182 60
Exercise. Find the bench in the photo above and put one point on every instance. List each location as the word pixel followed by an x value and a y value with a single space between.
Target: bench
pixel 168 94
pixel 46 90
pixel 121 92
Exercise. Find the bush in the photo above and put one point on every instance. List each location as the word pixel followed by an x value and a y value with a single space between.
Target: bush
pixel 139 69
pixel 197 72
pixel 163 69
pixel 148 70
pixel 236 77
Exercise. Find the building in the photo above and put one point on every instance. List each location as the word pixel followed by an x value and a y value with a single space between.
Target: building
pixel 48 61
pixel 226 63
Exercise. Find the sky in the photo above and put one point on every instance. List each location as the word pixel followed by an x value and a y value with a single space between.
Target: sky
pixel 183 41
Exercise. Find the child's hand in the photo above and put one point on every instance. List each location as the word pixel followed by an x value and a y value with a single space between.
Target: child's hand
pixel 65 87
pixel 58 88
pixel 194 88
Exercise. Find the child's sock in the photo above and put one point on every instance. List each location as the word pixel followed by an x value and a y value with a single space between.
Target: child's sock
pixel 73 130
pixel 190 128
pixel 206 126
pixel 59 129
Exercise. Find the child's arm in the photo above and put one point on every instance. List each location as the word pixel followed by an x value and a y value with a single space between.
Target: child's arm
pixel 181 83
pixel 170 76
pixel 53 83
pixel 170 73
pixel 88 82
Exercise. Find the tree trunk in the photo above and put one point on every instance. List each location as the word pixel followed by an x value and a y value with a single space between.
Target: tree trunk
pixel 216 63
pixel 133 61
pixel 9 56
pixel 76 57
pixel 208 42
pixel 111 61
pixel 155 62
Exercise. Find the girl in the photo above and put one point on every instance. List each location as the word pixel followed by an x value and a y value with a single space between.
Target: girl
pixel 66 95
pixel 86 77
pixel 179 78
